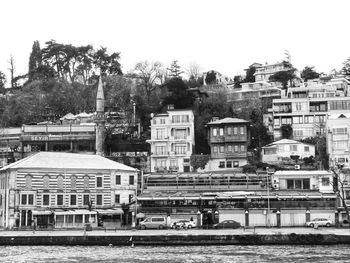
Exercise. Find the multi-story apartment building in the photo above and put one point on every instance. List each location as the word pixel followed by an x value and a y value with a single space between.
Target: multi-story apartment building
pixel 306 107
pixel 64 190
pixel 228 141
pixel 172 140
pixel 338 140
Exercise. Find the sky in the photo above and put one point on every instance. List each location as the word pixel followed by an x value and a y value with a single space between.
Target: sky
pixel 222 35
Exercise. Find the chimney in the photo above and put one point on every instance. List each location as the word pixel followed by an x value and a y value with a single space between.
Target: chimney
pixel 170 106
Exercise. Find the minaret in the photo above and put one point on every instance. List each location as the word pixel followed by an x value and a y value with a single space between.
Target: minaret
pixel 100 119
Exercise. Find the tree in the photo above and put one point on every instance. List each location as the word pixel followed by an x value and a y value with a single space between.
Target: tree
pixel 199 161
pixel 309 73
pixel 175 70
pixel 193 70
pixel 346 68
pixel 250 74
pixel 149 74
pixel 340 181
pixel 179 95
pixel 107 63
pixel 35 61
pixel 237 80
pixel 210 77
pixel 12 70
pixel 284 76
pixel 2 82
pixel 287 131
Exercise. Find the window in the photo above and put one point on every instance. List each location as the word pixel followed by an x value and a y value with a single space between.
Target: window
pixel 229 130
pixel 99 181
pixel 298 133
pixel 293 148
pixel 221 131
pixel 306 148
pixel 130 198
pixel 340 130
pixel 325 181
pixel 222 148
pixel 73 182
pixel 229 164
pixel 60 182
pixel 215 149
pixel 242 130
pixel 46 182
pixel 59 200
pixel 222 165
pixel 46 200
pixel 235 130
pixel 215 132
pixel 340 145
pixel 180 134
pixel 27 199
pixel 297 119
pixel 298 184
pixel 229 148
pixel 86 182
pixel 298 106
pixel 154 121
pixel 162 121
pixel 28 182
pixel 117 199
pixel 160 133
pixel 236 148
pixel 180 148
pixel 73 200
pixel 242 148
pixel 161 150
pixel 118 179
pixel 99 200
pixel 235 164
pixel 86 199
pixel 131 179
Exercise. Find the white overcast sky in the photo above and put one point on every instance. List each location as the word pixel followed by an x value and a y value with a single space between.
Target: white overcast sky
pixel 226 36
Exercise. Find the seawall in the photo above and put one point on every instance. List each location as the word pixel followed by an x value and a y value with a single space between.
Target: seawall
pixel 174 239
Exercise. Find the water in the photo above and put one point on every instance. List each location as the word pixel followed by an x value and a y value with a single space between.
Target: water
pixel 189 254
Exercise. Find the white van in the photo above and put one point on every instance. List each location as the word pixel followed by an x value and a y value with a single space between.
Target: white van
pixel 157 222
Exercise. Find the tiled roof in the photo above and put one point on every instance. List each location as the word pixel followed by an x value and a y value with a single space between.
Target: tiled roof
pixel 60 160
pixel 228 120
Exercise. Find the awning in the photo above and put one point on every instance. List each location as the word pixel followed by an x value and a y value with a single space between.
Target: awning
pixel 75 212
pixel 140 215
pixel 116 211
pixel 41 213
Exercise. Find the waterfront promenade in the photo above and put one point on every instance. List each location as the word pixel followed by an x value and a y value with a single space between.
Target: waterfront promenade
pixel 168 237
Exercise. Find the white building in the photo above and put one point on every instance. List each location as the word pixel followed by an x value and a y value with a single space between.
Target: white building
pixel 306 108
pixel 172 141
pixel 282 150
pixel 338 139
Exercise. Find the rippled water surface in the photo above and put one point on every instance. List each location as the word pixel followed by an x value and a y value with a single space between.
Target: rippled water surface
pixel 340 253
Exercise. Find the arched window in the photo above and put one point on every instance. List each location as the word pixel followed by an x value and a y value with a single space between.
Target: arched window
pixel 86 181
pixel 60 182
pixel 73 182
pixel 46 181
pixel 28 181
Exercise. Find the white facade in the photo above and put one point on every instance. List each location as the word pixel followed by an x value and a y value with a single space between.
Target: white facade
pixel 338 140
pixel 306 108
pixel 172 141
pixel 280 151
pixel 296 180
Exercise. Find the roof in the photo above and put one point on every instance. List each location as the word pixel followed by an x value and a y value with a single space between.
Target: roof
pixel 60 160
pixel 302 172
pixel 227 120
pixel 284 141
pixel 338 116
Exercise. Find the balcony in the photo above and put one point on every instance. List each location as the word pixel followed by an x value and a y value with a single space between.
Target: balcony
pixel 160 169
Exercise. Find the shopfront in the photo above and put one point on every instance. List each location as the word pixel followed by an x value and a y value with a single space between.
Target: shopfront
pixel 110 218
pixel 75 218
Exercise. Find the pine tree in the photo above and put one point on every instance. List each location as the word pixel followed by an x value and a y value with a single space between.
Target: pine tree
pixel 35 61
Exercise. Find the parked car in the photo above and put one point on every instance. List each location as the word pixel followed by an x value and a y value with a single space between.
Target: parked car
pixel 319 222
pixel 227 224
pixel 184 224
pixel 158 222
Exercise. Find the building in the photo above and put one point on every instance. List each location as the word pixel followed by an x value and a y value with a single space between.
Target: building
pixel 338 140
pixel 172 140
pixel 263 199
pixel 306 107
pixel 282 150
pixel 228 140
pixel 65 190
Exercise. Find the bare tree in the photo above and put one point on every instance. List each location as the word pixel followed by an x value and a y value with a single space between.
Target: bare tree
pixel 150 75
pixel 193 70
pixel 12 70
pixel 340 184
